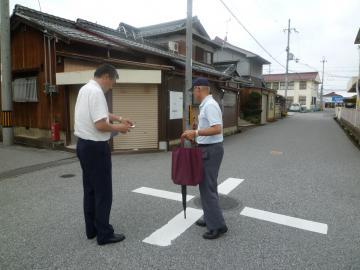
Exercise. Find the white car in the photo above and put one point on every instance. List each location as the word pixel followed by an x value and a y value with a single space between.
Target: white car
pixel 295 107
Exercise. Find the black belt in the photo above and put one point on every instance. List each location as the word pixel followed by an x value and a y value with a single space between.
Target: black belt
pixel 210 144
pixel 91 141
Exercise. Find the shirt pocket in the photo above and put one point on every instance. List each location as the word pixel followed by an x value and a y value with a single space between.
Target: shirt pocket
pixel 202 121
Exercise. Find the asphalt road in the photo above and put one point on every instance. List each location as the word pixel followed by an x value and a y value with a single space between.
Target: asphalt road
pixel 303 167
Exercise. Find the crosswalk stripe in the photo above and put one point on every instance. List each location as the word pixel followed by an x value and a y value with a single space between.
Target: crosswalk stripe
pixel 285 220
pixel 174 228
pixel 229 185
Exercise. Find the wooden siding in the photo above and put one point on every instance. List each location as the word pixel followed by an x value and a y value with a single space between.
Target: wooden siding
pixel 27 52
pixel 78 65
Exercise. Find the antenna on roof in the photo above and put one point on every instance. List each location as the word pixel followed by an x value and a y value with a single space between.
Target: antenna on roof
pixel 227 31
pixel 42 16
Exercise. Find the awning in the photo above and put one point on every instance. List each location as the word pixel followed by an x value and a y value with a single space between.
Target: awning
pixel 125 76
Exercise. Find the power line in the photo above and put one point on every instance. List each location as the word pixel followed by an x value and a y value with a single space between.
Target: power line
pixel 251 35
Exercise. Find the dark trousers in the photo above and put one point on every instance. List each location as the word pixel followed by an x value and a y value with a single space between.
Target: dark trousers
pixel 95 160
pixel 212 158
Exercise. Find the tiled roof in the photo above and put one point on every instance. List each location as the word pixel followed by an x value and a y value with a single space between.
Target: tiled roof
pixel 88 32
pixel 357 39
pixel 125 39
pixel 257 82
pixel 229 69
pixel 94 33
pixel 202 68
pixel 62 27
pixel 154 31
pixel 167 27
pixel 299 76
pixel 247 53
pixel 332 94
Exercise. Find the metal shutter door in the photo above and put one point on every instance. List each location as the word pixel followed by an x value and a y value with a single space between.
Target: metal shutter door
pixel 139 103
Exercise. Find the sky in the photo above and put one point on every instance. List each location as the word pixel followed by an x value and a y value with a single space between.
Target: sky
pixel 326 28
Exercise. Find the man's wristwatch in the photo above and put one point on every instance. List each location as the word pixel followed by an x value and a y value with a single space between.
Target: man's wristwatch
pixel 120 119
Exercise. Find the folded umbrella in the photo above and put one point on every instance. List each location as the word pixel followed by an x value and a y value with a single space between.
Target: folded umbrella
pixel 184 193
pixel 186 169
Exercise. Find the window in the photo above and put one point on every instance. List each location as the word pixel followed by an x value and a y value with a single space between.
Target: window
pixel 25 90
pixel 302 85
pixel 302 100
pixel 203 56
pixel 208 57
pixel 289 101
pixel 291 86
pixel 282 86
pixel 268 85
pixel 275 85
pixel 313 101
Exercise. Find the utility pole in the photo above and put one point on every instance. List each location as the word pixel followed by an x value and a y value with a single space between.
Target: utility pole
pixel 6 97
pixel 323 61
pixel 288 30
pixel 188 67
pixel 358 86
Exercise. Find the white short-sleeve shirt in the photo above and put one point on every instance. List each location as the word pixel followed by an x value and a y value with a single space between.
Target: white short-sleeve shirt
pixel 210 115
pixel 91 106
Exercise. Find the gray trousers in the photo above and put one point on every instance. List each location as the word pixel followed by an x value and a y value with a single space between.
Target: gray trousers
pixel 212 157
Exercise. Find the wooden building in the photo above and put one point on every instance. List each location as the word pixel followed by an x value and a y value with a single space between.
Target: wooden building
pixel 247 66
pixel 53 57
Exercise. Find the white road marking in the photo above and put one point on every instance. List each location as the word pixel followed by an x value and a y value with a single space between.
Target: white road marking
pixel 174 228
pixel 229 185
pixel 162 194
pixel 285 220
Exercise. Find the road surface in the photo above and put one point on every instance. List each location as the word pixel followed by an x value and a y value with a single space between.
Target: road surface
pixel 294 185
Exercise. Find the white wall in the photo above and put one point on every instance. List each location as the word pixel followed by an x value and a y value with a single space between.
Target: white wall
pixel 310 92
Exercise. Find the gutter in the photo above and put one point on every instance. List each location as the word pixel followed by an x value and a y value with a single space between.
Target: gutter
pixel 113 61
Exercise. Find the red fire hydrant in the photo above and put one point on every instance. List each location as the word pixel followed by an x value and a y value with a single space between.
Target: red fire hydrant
pixel 55 131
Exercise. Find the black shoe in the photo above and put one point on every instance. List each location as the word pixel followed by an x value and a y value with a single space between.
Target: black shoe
pixel 214 234
pixel 200 223
pixel 114 239
pixel 92 236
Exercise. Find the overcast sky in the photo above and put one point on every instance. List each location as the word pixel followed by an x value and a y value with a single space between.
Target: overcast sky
pixel 326 27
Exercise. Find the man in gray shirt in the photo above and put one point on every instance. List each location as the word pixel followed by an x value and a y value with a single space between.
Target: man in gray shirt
pixel 209 136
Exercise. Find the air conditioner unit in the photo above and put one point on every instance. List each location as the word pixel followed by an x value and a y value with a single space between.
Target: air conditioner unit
pixel 173 46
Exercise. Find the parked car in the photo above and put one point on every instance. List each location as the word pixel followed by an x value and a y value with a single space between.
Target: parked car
pixel 303 108
pixel 295 107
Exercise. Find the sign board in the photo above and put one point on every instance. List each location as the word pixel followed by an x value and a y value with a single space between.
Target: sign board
pixel 327 99
pixel 176 105
pixel 337 99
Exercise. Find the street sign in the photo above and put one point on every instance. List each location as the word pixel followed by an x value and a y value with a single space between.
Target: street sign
pixel 337 99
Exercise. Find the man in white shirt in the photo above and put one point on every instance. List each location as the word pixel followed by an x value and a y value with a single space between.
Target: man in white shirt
pixel 209 136
pixel 93 127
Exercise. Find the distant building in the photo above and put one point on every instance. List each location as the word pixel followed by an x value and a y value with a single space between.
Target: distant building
pixel 249 66
pixel 303 87
pixel 331 100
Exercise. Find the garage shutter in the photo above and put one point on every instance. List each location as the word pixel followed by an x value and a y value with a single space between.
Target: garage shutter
pixel 139 103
